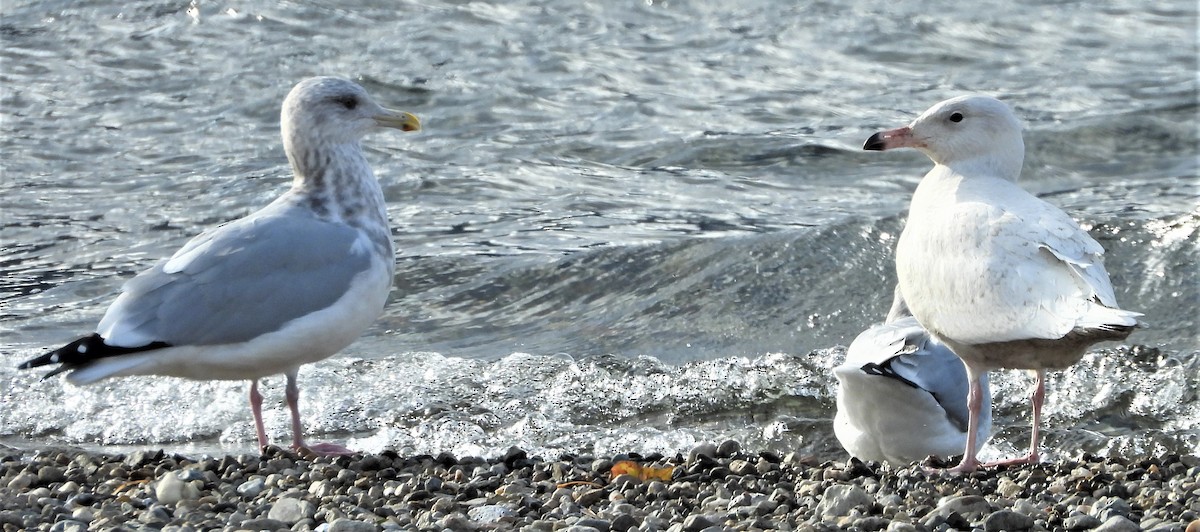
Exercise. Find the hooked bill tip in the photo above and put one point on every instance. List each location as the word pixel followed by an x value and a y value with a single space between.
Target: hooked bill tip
pixel 877 142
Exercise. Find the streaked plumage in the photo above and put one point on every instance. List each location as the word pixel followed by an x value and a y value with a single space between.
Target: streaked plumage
pixel 290 284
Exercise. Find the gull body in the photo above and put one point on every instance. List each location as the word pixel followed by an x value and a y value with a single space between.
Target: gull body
pixel 290 284
pixel 902 395
pixel 1001 277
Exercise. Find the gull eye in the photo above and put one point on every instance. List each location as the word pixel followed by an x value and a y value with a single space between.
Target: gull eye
pixel 349 102
pixel 956 117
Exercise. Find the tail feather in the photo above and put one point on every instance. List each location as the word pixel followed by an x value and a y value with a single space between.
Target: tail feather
pixel 1108 319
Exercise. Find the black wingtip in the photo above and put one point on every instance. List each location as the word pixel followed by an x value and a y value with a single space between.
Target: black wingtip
pixel 63 354
pixel 82 351
pixel 875 143
pixel 885 370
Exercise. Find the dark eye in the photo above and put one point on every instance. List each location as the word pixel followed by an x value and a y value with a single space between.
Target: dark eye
pixel 349 102
pixel 956 117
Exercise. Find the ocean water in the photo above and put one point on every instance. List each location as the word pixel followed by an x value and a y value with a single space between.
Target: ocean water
pixel 627 226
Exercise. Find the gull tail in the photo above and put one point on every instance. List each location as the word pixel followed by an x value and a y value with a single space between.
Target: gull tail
pixel 1107 323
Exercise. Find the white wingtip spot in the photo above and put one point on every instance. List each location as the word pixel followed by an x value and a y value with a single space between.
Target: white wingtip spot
pixel 81 349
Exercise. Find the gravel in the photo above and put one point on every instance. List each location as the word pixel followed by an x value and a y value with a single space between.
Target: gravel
pixel 715 487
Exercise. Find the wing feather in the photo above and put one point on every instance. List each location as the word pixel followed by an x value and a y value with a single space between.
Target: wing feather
pixel 220 289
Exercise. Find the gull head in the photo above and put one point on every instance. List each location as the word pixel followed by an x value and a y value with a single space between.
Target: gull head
pixel 329 110
pixel 978 131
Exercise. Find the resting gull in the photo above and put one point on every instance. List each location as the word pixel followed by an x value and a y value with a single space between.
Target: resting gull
pixel 902 395
pixel 1001 277
pixel 290 284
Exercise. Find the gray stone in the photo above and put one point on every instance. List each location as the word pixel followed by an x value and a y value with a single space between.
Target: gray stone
pixel 155 514
pixel 433 484
pixel 190 474
pixel 170 489
pixel 602 525
pixel 21 481
pixel 945 516
pixel 600 466
pixel 704 449
pixel 1009 489
pixel 252 488
pixel 139 458
pixel 590 497
pixel 1081 522
pixel 728 448
pixel 872 523
pixel 48 475
pixel 262 524
pixel 625 481
pixel 67 489
pixel 1118 523
pixel 350 525
pixel 291 511
pixel 491 513
pixel 1108 507
pixel 456 521
pixel 839 499
pixel 971 507
pixel 322 489
pixel 1027 507
pixel 82 514
pixel 1003 520
pixel 623 522
pixel 696 523
pixel 742 468
pixel 68 525
pixel 444 504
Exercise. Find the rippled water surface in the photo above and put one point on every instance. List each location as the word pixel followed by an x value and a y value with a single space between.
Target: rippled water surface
pixel 626 226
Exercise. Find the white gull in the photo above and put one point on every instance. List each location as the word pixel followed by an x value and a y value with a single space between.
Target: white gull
pixel 902 395
pixel 290 284
pixel 1003 278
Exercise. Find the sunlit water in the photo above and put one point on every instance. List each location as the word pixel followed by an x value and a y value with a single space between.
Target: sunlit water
pixel 628 226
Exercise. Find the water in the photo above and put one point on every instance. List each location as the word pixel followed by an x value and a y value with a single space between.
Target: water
pixel 628 226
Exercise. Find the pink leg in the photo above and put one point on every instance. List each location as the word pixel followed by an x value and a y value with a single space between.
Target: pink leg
pixel 293 400
pixel 1039 397
pixel 969 461
pixel 256 400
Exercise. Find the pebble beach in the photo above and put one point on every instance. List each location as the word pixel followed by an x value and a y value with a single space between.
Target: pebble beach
pixel 714 487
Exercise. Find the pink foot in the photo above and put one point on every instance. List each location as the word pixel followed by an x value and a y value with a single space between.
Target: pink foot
pixel 1031 458
pixel 323 449
pixel 967 465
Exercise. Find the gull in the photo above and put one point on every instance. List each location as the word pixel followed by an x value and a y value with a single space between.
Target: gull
pixel 290 284
pixel 1002 278
pixel 902 395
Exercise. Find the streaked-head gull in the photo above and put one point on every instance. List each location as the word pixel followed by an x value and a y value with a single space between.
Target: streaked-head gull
pixel 290 284
pixel 1003 278
pixel 902 395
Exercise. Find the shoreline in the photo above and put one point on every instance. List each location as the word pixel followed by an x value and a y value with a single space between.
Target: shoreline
pixel 715 487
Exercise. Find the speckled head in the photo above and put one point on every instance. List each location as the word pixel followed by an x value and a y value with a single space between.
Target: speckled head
pixel 329 110
pixel 976 130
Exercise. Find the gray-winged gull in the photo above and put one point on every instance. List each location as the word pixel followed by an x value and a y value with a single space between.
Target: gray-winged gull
pixel 902 395
pixel 1003 278
pixel 290 284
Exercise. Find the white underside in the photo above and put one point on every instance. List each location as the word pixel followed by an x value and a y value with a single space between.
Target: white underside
pixel 885 420
pixel 304 340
